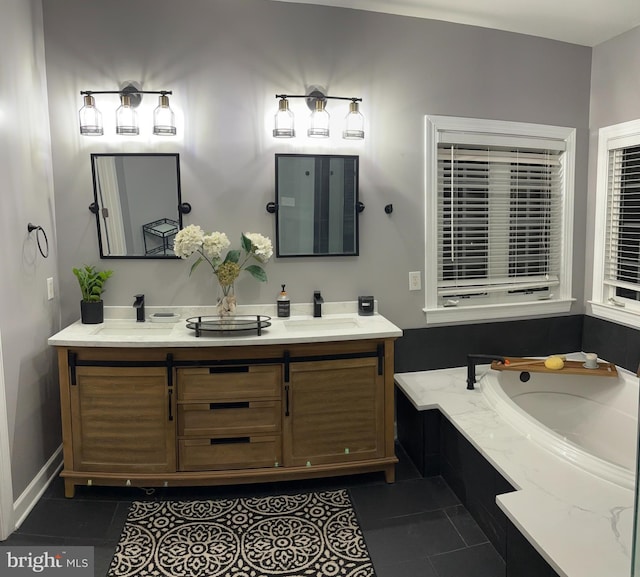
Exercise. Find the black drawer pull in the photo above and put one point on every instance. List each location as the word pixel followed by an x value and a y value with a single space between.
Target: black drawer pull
pixel 222 370
pixel 230 440
pixel 230 405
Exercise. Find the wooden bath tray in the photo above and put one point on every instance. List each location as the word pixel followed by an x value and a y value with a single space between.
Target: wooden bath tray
pixel 570 367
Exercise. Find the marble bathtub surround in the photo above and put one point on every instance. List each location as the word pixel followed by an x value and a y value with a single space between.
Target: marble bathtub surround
pixel 580 524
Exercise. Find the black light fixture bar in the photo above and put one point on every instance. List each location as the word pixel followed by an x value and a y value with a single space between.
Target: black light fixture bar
pixel 125 91
pixel 313 96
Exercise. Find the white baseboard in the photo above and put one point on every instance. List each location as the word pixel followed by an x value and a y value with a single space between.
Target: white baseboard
pixel 31 495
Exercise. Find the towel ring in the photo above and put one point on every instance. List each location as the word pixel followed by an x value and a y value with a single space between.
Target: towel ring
pixel 39 229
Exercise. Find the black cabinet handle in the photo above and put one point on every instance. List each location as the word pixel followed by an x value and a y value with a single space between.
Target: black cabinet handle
pixel 286 400
pixel 170 405
pixel 230 441
pixel 286 359
pixel 230 405
pixel 71 359
pixel 222 370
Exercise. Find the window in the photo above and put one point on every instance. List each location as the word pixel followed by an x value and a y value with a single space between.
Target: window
pixel 616 276
pixel 499 209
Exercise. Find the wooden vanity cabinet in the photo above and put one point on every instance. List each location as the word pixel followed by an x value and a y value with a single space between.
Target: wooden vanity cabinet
pixel 121 420
pixel 335 411
pixel 223 415
pixel 229 417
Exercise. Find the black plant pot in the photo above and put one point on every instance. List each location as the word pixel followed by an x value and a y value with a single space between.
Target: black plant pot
pixel 92 312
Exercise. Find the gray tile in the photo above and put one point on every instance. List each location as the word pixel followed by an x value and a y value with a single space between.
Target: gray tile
pixel 465 525
pixel 411 537
pixel 376 502
pixel 414 568
pixel 70 518
pixel 478 561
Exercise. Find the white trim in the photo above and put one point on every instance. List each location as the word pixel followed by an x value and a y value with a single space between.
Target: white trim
pixel 31 495
pixel 509 131
pixel 449 315
pixel 614 314
pixel 609 138
pixel 6 484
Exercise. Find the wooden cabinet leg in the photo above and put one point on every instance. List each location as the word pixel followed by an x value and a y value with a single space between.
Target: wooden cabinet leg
pixel 390 474
pixel 69 488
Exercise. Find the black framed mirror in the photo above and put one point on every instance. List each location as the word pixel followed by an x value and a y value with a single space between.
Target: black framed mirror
pixel 137 202
pixel 316 205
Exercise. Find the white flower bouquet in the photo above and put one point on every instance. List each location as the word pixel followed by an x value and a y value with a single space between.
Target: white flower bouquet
pixel 192 239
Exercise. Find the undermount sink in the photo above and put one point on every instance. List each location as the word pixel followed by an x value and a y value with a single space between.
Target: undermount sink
pixel 127 328
pixel 321 324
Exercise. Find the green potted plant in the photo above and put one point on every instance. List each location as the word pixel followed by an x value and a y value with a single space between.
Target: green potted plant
pixel 92 286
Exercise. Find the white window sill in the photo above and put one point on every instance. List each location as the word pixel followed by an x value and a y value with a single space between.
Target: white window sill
pixel 614 314
pixel 529 309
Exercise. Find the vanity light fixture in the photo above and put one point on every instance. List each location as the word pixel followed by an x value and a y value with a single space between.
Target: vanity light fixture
pixel 319 119
pixel 353 123
pixel 284 121
pixel 90 118
pixel 126 117
pixel 164 123
pixel 164 120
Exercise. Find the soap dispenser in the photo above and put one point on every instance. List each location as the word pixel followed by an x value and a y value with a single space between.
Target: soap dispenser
pixel 284 304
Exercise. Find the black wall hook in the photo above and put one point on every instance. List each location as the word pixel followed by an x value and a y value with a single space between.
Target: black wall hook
pixel 271 207
pixel 388 208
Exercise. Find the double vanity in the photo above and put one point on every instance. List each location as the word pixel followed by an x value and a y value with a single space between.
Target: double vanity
pixel 152 404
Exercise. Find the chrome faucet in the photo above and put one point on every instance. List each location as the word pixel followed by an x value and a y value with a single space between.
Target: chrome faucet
pixel 139 306
pixel 317 304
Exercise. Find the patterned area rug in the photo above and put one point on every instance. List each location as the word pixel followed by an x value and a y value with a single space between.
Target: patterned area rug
pixel 311 534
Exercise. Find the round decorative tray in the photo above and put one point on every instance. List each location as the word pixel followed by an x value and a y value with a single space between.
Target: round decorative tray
pixel 231 324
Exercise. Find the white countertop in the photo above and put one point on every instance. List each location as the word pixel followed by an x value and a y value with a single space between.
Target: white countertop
pixel 580 524
pixel 339 322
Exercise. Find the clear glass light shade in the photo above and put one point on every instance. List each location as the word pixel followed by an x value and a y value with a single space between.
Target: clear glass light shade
pixel 164 120
pixel 126 117
pixel 90 118
pixel 319 122
pixel 284 121
pixel 354 123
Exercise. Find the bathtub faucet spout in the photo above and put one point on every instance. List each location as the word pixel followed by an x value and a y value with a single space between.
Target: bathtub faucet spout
pixel 472 361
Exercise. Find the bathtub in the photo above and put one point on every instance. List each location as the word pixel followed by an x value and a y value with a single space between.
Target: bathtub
pixel 591 421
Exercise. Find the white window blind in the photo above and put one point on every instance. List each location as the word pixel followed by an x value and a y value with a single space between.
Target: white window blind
pixel 498 219
pixel 500 216
pixel 622 240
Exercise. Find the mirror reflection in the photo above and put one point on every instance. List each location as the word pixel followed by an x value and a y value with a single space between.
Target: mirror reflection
pixel 316 199
pixel 137 198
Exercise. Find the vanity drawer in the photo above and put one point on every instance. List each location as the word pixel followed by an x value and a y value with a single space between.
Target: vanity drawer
pixel 229 418
pixel 242 452
pixel 229 383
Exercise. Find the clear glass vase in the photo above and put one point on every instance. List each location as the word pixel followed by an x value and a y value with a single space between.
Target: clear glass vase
pixel 226 301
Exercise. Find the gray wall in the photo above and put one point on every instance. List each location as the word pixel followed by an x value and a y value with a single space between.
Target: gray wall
pixel 225 60
pixel 27 318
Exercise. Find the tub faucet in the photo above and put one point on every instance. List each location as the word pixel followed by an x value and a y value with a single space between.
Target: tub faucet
pixel 317 304
pixel 472 361
pixel 139 306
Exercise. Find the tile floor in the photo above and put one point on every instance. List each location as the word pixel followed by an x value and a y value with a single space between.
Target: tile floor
pixel 415 527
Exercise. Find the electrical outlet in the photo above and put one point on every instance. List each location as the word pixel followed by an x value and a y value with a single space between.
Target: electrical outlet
pixel 50 291
pixel 415 283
